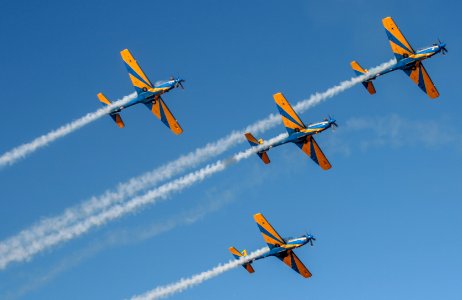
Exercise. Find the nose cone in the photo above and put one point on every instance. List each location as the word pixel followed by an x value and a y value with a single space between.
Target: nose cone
pixel 442 45
pixel 178 82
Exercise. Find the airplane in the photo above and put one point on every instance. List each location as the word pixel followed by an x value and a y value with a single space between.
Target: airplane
pixel 407 59
pixel 278 247
pixel 147 93
pixel 299 134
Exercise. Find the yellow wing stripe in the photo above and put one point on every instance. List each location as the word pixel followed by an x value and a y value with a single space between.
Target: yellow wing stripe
pixel 290 124
pixel 390 25
pixel 262 222
pixel 296 264
pixel 415 74
pixel 130 60
pixel 397 49
pixel 318 156
pixel 174 126
pixel 284 105
pixel 432 92
pixel 138 83
pixel 169 120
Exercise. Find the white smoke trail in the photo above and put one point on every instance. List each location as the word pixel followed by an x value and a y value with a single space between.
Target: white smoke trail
pixel 183 284
pixel 167 171
pixel 10 157
pixel 13 250
pixel 52 226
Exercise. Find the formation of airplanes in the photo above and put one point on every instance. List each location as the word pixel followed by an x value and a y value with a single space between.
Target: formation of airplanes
pixel 407 59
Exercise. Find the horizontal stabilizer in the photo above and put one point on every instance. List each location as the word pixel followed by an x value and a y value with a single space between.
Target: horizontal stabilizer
pixel 114 115
pixel 360 71
pixel 238 255
pixel 254 143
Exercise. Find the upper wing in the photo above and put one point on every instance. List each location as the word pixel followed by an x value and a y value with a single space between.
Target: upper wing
pixel 271 237
pixel 139 80
pixel 311 148
pixel 290 119
pixel 290 259
pixel 161 111
pixel 399 45
pixel 419 75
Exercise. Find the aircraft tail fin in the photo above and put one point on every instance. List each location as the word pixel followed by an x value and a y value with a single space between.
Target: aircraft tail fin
pixel 254 143
pixel 114 115
pixel 360 71
pixel 238 255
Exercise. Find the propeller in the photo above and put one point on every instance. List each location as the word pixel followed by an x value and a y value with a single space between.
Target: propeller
pixel 310 238
pixel 179 82
pixel 333 123
pixel 444 50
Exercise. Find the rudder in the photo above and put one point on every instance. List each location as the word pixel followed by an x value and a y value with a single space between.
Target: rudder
pixel 360 71
pixel 255 143
pixel 114 115
pixel 238 255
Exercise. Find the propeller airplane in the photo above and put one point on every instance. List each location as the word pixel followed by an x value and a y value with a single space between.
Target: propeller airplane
pixel 299 134
pixel 278 247
pixel 147 93
pixel 407 59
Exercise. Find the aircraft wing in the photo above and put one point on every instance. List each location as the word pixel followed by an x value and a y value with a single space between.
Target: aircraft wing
pixel 139 80
pixel 271 237
pixel 419 76
pixel 311 148
pixel 291 120
pixel 161 111
pixel 399 45
pixel 290 259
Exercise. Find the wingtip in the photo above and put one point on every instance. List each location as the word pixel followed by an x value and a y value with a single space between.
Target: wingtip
pixel 257 215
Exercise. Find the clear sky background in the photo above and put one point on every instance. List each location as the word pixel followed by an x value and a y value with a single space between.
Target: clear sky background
pixel 386 216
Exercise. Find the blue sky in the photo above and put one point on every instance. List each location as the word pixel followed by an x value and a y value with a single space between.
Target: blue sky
pixel 386 216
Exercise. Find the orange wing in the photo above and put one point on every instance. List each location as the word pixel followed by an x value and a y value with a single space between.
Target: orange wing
pixel 419 76
pixel 270 235
pixel 311 148
pixel 295 263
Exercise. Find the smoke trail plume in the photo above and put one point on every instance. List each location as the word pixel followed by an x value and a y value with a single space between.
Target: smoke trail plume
pixel 15 154
pixel 54 226
pixel 183 284
pixel 21 250
pixel 192 159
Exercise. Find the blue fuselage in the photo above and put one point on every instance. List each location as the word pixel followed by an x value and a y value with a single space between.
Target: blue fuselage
pixel 150 94
pixel 300 136
pixel 290 244
pixel 409 61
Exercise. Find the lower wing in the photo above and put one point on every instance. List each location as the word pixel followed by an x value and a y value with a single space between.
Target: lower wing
pixel 161 111
pixel 419 75
pixel 311 148
pixel 290 259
